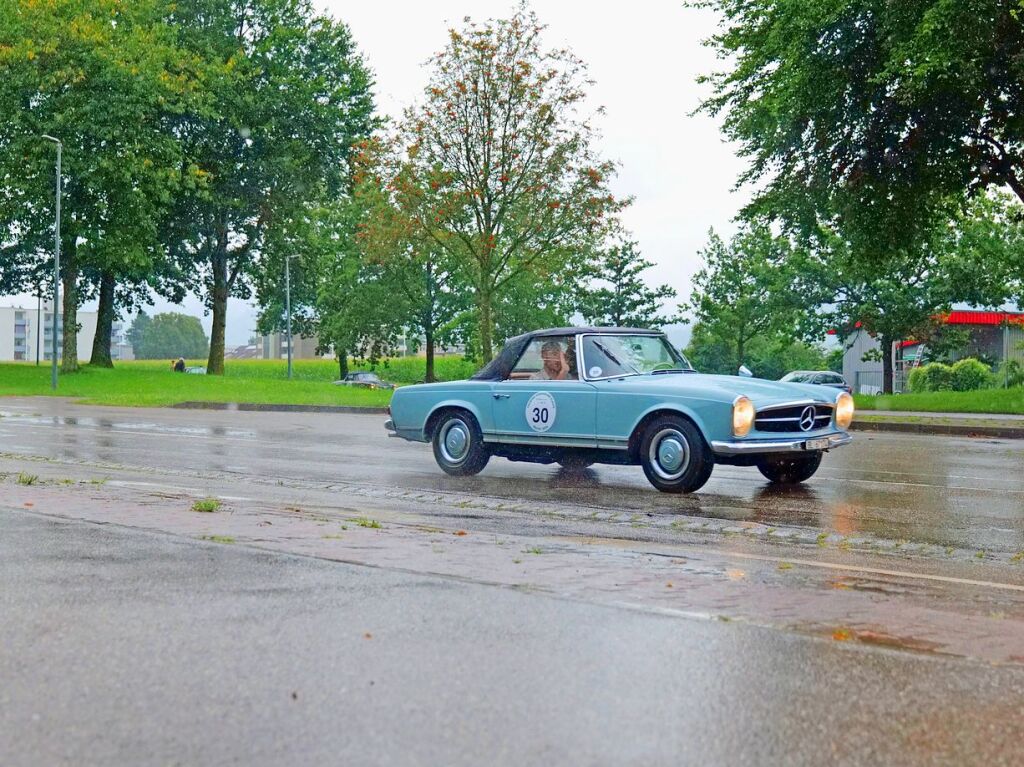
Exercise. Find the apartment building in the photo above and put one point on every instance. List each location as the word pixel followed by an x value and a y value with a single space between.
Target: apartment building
pixel 25 334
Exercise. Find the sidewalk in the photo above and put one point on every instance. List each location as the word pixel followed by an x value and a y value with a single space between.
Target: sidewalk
pixel 1006 417
pixel 998 425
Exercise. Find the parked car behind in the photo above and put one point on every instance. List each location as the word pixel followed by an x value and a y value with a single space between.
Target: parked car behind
pixel 819 377
pixel 364 381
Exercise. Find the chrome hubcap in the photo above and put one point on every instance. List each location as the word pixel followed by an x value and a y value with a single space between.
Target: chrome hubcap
pixel 454 441
pixel 669 454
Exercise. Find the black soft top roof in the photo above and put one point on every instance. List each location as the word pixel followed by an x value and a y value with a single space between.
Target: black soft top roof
pixel 499 368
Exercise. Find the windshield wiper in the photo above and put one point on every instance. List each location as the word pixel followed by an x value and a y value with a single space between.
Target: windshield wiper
pixel 615 359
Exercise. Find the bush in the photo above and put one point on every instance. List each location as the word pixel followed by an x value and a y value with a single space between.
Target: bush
pixel 1011 374
pixel 970 375
pixel 938 377
pixel 916 381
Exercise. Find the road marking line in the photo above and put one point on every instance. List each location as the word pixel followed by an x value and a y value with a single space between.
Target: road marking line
pixel 857 569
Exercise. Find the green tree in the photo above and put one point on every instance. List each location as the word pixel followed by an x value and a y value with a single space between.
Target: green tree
pixel 290 95
pixel 503 175
pixel 172 335
pixel 766 356
pixel 354 310
pixel 138 330
pixel 618 294
pixel 871 114
pixel 425 289
pixel 100 75
pixel 965 260
pixel 744 293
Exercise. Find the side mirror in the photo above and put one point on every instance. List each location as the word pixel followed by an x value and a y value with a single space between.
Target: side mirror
pixel 745 372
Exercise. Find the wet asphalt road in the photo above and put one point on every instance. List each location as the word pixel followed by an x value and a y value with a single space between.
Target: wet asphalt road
pixel 522 616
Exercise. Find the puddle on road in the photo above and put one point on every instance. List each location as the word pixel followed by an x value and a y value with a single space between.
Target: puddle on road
pixel 128 426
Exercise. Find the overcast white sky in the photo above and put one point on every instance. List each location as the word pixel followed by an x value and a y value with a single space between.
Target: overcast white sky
pixel 644 55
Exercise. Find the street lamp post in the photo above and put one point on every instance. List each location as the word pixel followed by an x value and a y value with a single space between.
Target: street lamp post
pixel 56 266
pixel 288 307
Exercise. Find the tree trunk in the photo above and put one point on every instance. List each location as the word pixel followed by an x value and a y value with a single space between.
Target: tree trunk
pixel 104 323
pixel 342 363
pixel 69 284
pixel 429 376
pixel 215 363
pixel 486 328
pixel 886 364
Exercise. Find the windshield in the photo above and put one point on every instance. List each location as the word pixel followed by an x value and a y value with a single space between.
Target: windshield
pixel 608 356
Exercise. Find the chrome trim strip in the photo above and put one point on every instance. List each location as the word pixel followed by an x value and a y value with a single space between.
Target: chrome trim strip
pixel 792 420
pixel 794 403
pixel 603 443
pixel 511 439
pixel 752 447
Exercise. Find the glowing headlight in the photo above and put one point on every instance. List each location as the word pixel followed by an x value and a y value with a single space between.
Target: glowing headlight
pixel 742 416
pixel 844 410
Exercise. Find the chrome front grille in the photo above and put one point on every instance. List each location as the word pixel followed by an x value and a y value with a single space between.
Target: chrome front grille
pixel 794 418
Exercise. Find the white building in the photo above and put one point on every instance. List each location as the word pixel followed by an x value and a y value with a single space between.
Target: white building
pixel 25 334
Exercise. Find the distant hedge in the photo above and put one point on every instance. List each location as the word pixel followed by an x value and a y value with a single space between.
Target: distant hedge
pixel 965 375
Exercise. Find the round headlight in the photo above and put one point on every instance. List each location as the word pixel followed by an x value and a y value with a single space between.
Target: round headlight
pixel 742 416
pixel 844 410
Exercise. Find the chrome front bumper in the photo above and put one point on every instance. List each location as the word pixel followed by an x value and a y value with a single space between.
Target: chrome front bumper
pixel 792 445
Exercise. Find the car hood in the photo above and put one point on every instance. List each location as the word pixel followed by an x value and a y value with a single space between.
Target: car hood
pixel 761 392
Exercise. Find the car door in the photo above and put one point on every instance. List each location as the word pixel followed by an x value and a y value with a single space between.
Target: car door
pixel 530 408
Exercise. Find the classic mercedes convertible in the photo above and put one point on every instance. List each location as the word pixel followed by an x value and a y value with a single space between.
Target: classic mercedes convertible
pixel 578 396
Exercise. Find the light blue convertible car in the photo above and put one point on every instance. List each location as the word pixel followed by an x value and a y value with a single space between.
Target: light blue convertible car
pixel 578 396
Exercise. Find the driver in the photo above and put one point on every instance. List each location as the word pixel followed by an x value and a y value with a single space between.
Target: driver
pixel 555 367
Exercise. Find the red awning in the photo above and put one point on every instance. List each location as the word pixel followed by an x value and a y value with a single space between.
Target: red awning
pixel 968 317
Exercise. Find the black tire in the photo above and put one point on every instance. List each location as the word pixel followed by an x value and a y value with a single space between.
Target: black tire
pixel 790 470
pixel 458 444
pixel 572 462
pixel 675 456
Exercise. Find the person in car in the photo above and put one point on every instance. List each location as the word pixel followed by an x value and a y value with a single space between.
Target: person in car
pixel 555 367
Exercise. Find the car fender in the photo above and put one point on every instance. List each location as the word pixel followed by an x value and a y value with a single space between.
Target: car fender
pixel 678 407
pixel 462 404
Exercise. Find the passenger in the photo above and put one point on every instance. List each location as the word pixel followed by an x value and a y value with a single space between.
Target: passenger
pixel 555 367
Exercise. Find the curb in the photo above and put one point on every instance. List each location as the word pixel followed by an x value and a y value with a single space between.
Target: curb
pixel 262 408
pixel 901 427
pixel 948 430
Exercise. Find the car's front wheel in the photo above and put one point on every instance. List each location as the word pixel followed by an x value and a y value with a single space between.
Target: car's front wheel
pixel 675 456
pixel 790 470
pixel 458 444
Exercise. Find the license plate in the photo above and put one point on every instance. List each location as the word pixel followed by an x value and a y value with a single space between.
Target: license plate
pixel 816 444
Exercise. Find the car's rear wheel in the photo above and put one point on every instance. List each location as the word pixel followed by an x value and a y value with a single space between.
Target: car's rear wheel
pixel 675 456
pixel 458 444
pixel 790 470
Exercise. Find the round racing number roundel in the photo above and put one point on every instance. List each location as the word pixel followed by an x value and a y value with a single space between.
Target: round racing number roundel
pixel 540 411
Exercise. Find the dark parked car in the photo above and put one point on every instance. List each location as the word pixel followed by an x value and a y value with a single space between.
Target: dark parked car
pixel 819 377
pixel 365 381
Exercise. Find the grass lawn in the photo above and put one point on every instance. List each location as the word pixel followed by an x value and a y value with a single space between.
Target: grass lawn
pixel 152 384
pixel 985 401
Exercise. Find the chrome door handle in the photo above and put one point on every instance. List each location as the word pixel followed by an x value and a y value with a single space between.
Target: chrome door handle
pixel 501 396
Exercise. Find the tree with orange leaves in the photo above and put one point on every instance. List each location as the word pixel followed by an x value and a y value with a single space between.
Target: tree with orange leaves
pixel 500 174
